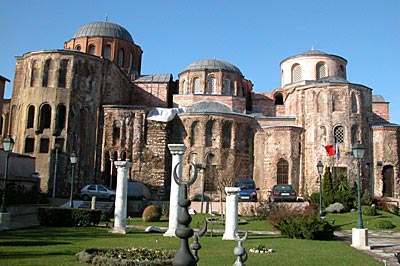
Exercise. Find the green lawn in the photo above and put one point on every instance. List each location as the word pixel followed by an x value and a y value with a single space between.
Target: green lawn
pixel 57 246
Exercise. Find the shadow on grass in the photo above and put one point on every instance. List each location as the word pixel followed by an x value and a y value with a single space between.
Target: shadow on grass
pixel 32 243
pixel 33 255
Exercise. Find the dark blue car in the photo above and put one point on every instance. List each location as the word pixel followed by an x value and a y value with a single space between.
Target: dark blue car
pixel 248 190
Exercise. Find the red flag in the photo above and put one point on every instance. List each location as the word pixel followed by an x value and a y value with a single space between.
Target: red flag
pixel 330 149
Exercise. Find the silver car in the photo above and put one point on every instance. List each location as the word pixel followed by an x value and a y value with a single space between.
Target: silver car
pixel 98 191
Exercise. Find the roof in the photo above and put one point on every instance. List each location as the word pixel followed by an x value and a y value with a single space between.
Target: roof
pixel 4 78
pixel 378 99
pixel 155 78
pixel 104 29
pixel 209 107
pixel 332 79
pixel 313 52
pixel 213 64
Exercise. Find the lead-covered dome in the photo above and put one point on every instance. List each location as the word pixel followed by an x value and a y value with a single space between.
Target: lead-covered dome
pixel 213 64
pixel 104 29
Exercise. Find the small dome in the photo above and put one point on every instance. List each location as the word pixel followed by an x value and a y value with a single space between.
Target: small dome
pixel 313 52
pixel 378 99
pixel 212 64
pixel 105 29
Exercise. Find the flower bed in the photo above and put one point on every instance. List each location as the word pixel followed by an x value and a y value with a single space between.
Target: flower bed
pixel 126 256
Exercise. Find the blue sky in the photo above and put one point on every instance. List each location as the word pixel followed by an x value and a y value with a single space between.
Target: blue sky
pixel 253 35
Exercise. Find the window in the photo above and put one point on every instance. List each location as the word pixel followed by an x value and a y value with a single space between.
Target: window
pixel 78 47
pixel 62 73
pixel 321 70
pixel 226 134
pixel 282 172
pixel 184 85
pixel 342 72
pixel 226 87
pixel 278 98
pixel 354 134
pixel 338 134
pixel 35 73
pixel 296 73
pixel 31 116
pixel 209 133
pixel 337 102
pixel 44 145
pixel 45 74
pixel 116 131
pixel 211 86
pixel 61 113
pixel 196 85
pixel 130 60
pixel 45 116
pixel 92 49
pixel 121 57
pixel 1 125
pixel 194 133
pixel 354 103
pixel 107 52
pixel 29 144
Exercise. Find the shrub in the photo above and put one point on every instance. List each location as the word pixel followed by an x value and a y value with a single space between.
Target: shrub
pixel 314 198
pixel 366 198
pixel 368 211
pixel 336 207
pixel 384 224
pixel 152 213
pixel 68 217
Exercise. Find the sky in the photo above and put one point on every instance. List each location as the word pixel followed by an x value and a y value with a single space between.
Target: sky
pixel 253 35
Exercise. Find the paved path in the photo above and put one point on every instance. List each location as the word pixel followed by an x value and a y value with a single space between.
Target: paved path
pixel 383 243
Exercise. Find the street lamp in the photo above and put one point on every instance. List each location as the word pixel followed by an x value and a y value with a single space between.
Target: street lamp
pixel 320 168
pixel 8 144
pixel 56 147
pixel 73 159
pixel 111 170
pixel 358 153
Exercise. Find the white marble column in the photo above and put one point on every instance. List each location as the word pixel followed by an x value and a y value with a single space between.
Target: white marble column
pixel 121 197
pixel 231 211
pixel 177 151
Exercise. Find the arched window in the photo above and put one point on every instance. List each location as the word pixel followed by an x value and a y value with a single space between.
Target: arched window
pixel 78 47
pixel 338 134
pixel 388 180
pixel 342 72
pixel 61 113
pixel 29 144
pixel 209 133
pixel 337 102
pixel 107 52
pixel 45 116
pixel 196 86
pixel 116 131
pixel 282 172
pixel 121 57
pixel 194 133
pixel 62 73
pixel 321 70
pixel 296 73
pixel 92 49
pixel 278 98
pixel 44 145
pixel 31 116
pixel 35 73
pixel 226 87
pixel 211 85
pixel 184 85
pixel 226 134
pixel 354 103
pixel 130 60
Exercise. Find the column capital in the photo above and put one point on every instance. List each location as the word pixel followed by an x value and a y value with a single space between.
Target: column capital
pixel 177 149
pixel 122 164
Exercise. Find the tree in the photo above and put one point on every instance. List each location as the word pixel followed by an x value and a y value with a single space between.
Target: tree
pixel 328 193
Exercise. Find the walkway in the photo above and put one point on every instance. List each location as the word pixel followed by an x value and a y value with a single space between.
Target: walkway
pixel 383 244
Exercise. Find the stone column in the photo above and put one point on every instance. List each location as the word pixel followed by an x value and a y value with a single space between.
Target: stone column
pixel 121 197
pixel 231 210
pixel 177 151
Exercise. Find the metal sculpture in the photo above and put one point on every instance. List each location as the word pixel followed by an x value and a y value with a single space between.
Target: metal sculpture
pixel 240 251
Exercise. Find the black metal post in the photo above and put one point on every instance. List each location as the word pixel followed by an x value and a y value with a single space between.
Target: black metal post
pixel 4 198
pixel 359 224
pixel 320 196
pixel 71 201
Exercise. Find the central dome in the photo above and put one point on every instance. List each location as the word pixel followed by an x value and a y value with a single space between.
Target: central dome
pixel 104 29
pixel 212 64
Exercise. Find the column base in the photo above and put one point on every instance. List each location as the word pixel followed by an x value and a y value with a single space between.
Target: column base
pixel 119 230
pixel 170 232
pixel 5 221
pixel 228 236
pixel 360 238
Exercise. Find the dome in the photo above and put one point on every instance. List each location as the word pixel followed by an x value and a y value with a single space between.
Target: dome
pixel 314 52
pixel 105 29
pixel 212 64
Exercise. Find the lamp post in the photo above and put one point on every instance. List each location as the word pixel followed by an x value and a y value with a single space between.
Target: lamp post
pixel 8 144
pixel 73 158
pixel 56 146
pixel 111 170
pixel 358 153
pixel 320 168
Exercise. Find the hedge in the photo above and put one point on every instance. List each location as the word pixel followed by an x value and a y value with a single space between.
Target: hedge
pixel 68 217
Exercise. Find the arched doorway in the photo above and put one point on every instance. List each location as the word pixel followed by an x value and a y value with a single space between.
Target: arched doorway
pixel 388 178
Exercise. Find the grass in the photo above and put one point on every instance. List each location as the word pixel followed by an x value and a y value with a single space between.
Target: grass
pixel 58 246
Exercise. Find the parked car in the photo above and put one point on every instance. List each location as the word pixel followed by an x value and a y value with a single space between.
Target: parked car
pixel 248 190
pixel 282 192
pixel 97 190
